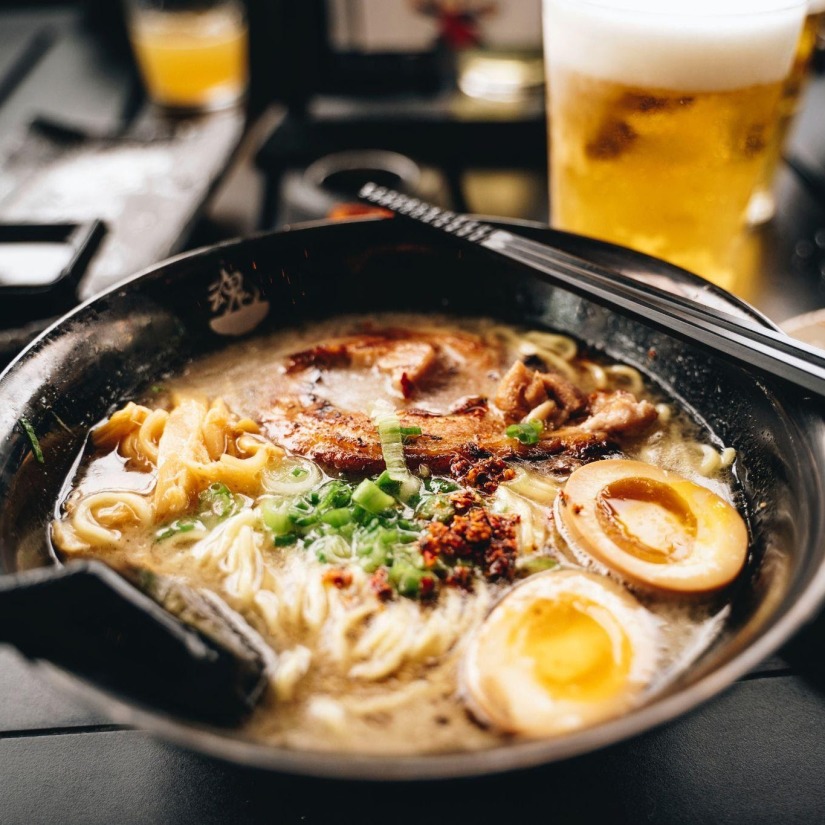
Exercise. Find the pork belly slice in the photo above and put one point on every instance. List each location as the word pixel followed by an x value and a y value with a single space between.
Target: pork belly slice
pixel 523 390
pixel 619 413
pixel 409 358
pixel 348 441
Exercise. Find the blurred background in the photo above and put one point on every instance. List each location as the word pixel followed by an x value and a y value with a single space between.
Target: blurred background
pixel 443 99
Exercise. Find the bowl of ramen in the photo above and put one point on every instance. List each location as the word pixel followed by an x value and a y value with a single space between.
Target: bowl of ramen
pixel 478 522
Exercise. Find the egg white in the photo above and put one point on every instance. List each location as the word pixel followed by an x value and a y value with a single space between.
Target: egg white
pixel 501 687
pixel 719 548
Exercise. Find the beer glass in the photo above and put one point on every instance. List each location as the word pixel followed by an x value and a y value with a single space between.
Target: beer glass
pixel 192 54
pixel 762 204
pixel 660 117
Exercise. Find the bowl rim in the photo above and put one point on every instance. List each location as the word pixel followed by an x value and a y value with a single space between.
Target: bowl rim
pixel 499 759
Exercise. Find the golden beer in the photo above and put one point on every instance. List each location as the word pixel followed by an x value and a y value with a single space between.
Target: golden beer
pixel 659 124
pixel 762 205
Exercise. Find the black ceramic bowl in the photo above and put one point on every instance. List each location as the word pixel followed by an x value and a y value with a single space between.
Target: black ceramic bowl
pixel 111 348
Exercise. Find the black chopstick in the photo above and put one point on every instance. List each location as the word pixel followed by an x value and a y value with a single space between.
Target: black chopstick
pixel 737 339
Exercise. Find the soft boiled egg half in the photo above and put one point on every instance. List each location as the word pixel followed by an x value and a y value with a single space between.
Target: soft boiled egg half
pixel 654 528
pixel 564 650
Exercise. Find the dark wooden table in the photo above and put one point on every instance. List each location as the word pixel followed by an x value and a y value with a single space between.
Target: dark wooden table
pixel 754 755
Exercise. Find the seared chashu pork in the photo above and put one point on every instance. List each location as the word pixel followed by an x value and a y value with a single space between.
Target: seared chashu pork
pixel 576 424
pixel 411 359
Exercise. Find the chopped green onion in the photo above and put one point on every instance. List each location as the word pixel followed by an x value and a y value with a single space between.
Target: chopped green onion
pixel 389 485
pixel 392 448
pixel 372 556
pixel 435 508
pixel 527 432
pixel 29 430
pixel 183 525
pixel 285 541
pixel 440 485
pixel 331 549
pixel 217 500
pixel 334 494
pixel 338 517
pixel 304 521
pixel 372 498
pixel 283 480
pixel 276 518
pixel 410 431
pixel 414 500
pixel 406 578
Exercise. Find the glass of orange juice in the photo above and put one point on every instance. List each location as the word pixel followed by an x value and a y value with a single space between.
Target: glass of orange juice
pixel 192 54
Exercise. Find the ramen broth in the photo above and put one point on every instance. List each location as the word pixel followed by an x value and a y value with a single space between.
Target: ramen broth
pixel 355 671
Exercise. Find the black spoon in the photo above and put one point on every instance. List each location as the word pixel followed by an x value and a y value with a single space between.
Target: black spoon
pixel 151 638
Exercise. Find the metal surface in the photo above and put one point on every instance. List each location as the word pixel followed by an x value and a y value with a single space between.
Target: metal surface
pixel 720 332
pixel 104 352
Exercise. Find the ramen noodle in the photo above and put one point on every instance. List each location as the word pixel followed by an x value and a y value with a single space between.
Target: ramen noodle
pixel 450 533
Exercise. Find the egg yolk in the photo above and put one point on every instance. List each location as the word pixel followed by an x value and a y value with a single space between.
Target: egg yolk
pixel 578 650
pixel 647 519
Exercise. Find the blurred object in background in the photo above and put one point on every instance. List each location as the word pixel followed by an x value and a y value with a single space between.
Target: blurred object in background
pixel 514 193
pixel 490 49
pixel 819 47
pixel 459 21
pixel 501 76
pixel 763 205
pixel 809 328
pixel 192 53
pixel 450 84
pixel 329 186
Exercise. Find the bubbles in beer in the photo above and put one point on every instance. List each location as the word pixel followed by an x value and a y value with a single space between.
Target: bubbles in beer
pixel 647 103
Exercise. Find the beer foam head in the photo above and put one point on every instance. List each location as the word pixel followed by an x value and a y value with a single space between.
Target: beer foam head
pixel 687 45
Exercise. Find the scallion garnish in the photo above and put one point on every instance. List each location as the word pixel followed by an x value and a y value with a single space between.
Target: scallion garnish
pixel 217 500
pixel 372 498
pixel 440 485
pixel 338 517
pixel 276 518
pixel 179 526
pixel 389 485
pixel 410 431
pixel 29 430
pixel 408 579
pixel 527 432
pixel 435 508
pixel 392 448
pixel 299 472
